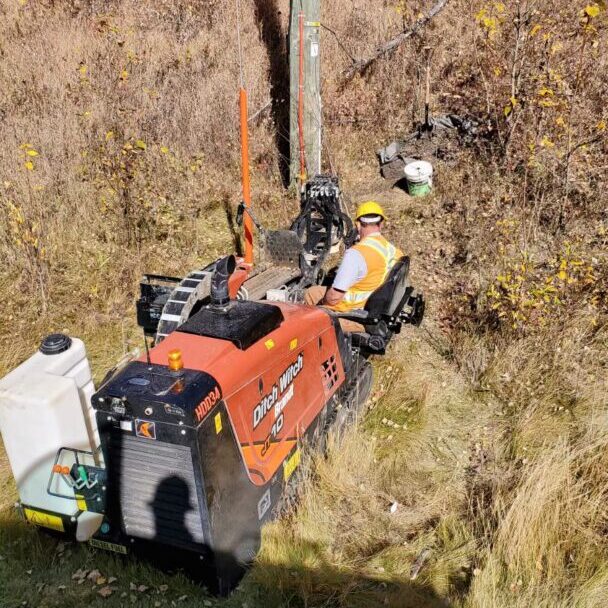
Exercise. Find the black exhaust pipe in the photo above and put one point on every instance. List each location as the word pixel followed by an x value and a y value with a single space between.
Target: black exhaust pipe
pixel 220 296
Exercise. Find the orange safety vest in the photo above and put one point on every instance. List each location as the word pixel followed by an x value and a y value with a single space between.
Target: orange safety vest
pixel 380 256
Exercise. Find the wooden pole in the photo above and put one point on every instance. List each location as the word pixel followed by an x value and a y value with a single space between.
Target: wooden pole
pixel 247 221
pixel 305 87
pixel 301 142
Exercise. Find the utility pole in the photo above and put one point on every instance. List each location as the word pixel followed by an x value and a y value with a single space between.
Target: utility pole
pixel 305 89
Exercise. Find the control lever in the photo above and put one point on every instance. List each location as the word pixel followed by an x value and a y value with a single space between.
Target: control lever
pixel 240 212
pixel 82 481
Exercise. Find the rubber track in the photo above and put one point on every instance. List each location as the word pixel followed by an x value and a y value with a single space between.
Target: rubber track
pixel 193 288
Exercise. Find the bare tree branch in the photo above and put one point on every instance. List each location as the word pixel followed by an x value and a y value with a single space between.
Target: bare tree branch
pixel 362 65
pixel 580 144
pixel 261 111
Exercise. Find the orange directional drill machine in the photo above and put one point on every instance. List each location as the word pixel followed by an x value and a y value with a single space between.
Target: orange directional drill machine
pixel 184 454
pixel 202 440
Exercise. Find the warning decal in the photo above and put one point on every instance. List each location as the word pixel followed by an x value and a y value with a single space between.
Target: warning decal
pixel 53 522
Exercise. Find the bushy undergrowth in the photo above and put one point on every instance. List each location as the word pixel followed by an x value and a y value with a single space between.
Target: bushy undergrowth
pixel 119 154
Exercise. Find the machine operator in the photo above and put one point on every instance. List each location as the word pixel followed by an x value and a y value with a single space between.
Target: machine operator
pixel 364 267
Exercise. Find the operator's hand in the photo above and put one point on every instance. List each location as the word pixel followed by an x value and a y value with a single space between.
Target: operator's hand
pixel 333 297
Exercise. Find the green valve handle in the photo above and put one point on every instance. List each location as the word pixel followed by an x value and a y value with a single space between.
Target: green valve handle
pixel 82 472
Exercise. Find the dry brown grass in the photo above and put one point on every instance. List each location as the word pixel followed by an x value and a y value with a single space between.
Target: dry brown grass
pixel 547 544
pixel 418 458
pixel 131 109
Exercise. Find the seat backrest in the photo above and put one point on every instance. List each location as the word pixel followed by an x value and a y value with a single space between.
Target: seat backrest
pixel 386 299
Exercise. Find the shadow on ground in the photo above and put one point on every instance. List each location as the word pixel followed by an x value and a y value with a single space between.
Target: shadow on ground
pixel 37 569
pixel 323 584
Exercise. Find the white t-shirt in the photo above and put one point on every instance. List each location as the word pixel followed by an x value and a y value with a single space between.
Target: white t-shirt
pixel 352 269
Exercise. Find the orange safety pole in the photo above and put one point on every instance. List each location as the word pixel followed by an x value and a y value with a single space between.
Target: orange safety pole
pixel 248 222
pixel 301 102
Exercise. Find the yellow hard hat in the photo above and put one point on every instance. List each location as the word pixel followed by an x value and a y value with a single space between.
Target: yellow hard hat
pixel 370 208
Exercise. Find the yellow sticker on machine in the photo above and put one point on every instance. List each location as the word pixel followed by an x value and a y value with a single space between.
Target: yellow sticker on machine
pixel 218 423
pixel 46 520
pixel 291 464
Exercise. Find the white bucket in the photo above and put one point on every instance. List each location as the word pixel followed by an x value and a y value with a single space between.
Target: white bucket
pixel 419 176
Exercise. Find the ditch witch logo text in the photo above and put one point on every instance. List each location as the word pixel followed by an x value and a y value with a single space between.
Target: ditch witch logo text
pixel 280 394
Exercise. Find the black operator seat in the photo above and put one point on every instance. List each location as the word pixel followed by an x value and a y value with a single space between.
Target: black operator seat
pixel 384 312
pixel 388 300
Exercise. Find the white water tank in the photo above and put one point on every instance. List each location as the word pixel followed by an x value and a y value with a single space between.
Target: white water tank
pixel 45 405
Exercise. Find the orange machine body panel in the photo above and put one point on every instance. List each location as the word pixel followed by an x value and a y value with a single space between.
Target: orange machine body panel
pixel 238 277
pixel 275 389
